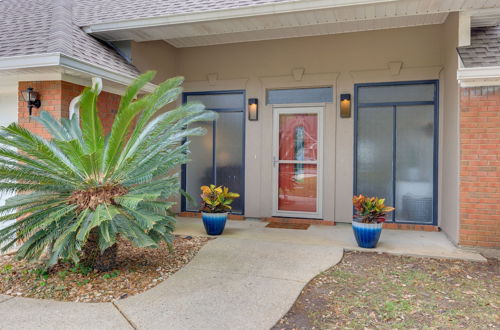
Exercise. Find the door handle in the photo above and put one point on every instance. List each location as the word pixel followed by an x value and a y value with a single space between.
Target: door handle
pixel 275 161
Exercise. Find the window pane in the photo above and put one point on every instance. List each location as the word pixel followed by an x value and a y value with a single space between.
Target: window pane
pixel 229 154
pixel 199 169
pixel 300 95
pixel 414 163
pixel 297 187
pixel 298 137
pixel 396 93
pixel 219 101
pixel 374 153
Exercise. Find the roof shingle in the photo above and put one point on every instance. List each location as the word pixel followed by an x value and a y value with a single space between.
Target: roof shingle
pixel 48 27
pixel 88 12
pixel 484 49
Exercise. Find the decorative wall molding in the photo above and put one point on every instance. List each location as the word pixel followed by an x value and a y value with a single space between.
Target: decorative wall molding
pixel 218 84
pixel 404 74
pixel 298 73
pixel 307 80
pixel 212 78
pixel 395 67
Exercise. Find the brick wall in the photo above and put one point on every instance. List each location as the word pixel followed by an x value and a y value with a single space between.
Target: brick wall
pixel 55 97
pixel 480 167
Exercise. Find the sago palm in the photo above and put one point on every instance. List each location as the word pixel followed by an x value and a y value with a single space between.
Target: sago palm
pixel 77 192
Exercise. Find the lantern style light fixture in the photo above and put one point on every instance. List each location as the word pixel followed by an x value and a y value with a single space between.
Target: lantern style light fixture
pixel 31 97
pixel 253 109
pixel 345 105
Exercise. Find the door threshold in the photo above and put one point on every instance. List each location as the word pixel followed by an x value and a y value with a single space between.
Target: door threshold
pixel 300 221
pixel 238 217
pixel 410 226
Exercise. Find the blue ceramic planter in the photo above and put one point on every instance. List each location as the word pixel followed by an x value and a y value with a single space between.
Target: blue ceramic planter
pixel 367 234
pixel 214 222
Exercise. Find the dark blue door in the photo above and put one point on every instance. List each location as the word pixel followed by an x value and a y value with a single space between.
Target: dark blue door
pixel 217 157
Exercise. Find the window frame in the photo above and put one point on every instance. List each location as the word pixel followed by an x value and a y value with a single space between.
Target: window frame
pixel 330 95
pixel 243 109
pixel 435 103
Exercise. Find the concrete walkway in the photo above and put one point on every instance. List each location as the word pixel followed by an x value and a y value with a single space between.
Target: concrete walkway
pixel 399 242
pixel 232 283
pixel 246 279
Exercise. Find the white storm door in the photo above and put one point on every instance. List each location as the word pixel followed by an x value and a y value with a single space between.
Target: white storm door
pixel 297 161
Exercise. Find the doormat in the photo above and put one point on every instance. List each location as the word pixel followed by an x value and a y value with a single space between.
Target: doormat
pixel 285 225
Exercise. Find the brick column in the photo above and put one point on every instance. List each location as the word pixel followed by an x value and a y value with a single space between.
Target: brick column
pixel 50 95
pixel 55 97
pixel 480 167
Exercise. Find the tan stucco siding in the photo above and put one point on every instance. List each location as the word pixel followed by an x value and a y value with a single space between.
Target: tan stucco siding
pixel 8 115
pixel 449 132
pixel 342 60
pixel 155 55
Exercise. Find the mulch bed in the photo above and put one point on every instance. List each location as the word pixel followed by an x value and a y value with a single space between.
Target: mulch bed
pixel 380 291
pixel 139 269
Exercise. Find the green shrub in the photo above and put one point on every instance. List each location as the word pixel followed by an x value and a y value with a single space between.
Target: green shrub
pixel 80 190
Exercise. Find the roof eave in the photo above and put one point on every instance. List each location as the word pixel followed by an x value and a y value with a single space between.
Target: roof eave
pixel 479 76
pixel 98 71
pixel 58 59
pixel 266 9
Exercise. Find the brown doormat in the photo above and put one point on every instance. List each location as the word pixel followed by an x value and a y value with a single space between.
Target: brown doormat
pixel 283 225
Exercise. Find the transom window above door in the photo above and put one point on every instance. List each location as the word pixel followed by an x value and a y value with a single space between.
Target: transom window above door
pixel 222 100
pixel 300 95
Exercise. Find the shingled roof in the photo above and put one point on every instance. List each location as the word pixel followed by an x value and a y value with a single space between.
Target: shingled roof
pixel 89 12
pixel 47 26
pixel 484 50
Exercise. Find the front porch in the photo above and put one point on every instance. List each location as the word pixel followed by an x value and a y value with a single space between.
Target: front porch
pixel 397 242
pixel 301 156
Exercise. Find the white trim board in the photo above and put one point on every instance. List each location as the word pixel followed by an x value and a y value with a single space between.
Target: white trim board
pixel 66 62
pixel 480 76
pixel 267 9
pixel 288 19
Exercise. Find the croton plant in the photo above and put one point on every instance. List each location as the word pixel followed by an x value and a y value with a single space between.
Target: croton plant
pixel 216 199
pixel 370 209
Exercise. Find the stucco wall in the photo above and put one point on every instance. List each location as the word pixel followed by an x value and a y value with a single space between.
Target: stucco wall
pixel 331 54
pixel 339 60
pixel 8 115
pixel 8 105
pixel 155 55
pixel 449 130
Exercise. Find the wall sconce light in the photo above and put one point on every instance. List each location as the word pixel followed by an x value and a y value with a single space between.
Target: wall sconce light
pixel 345 105
pixel 253 109
pixel 31 97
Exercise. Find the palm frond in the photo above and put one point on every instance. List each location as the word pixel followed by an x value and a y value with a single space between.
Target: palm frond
pixel 81 182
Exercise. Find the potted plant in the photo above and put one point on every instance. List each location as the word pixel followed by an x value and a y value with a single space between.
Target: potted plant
pixel 367 224
pixel 215 205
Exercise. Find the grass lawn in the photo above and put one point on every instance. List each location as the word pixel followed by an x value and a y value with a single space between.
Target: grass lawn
pixel 380 291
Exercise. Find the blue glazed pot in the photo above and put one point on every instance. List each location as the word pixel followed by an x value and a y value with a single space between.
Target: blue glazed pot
pixel 214 222
pixel 367 234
